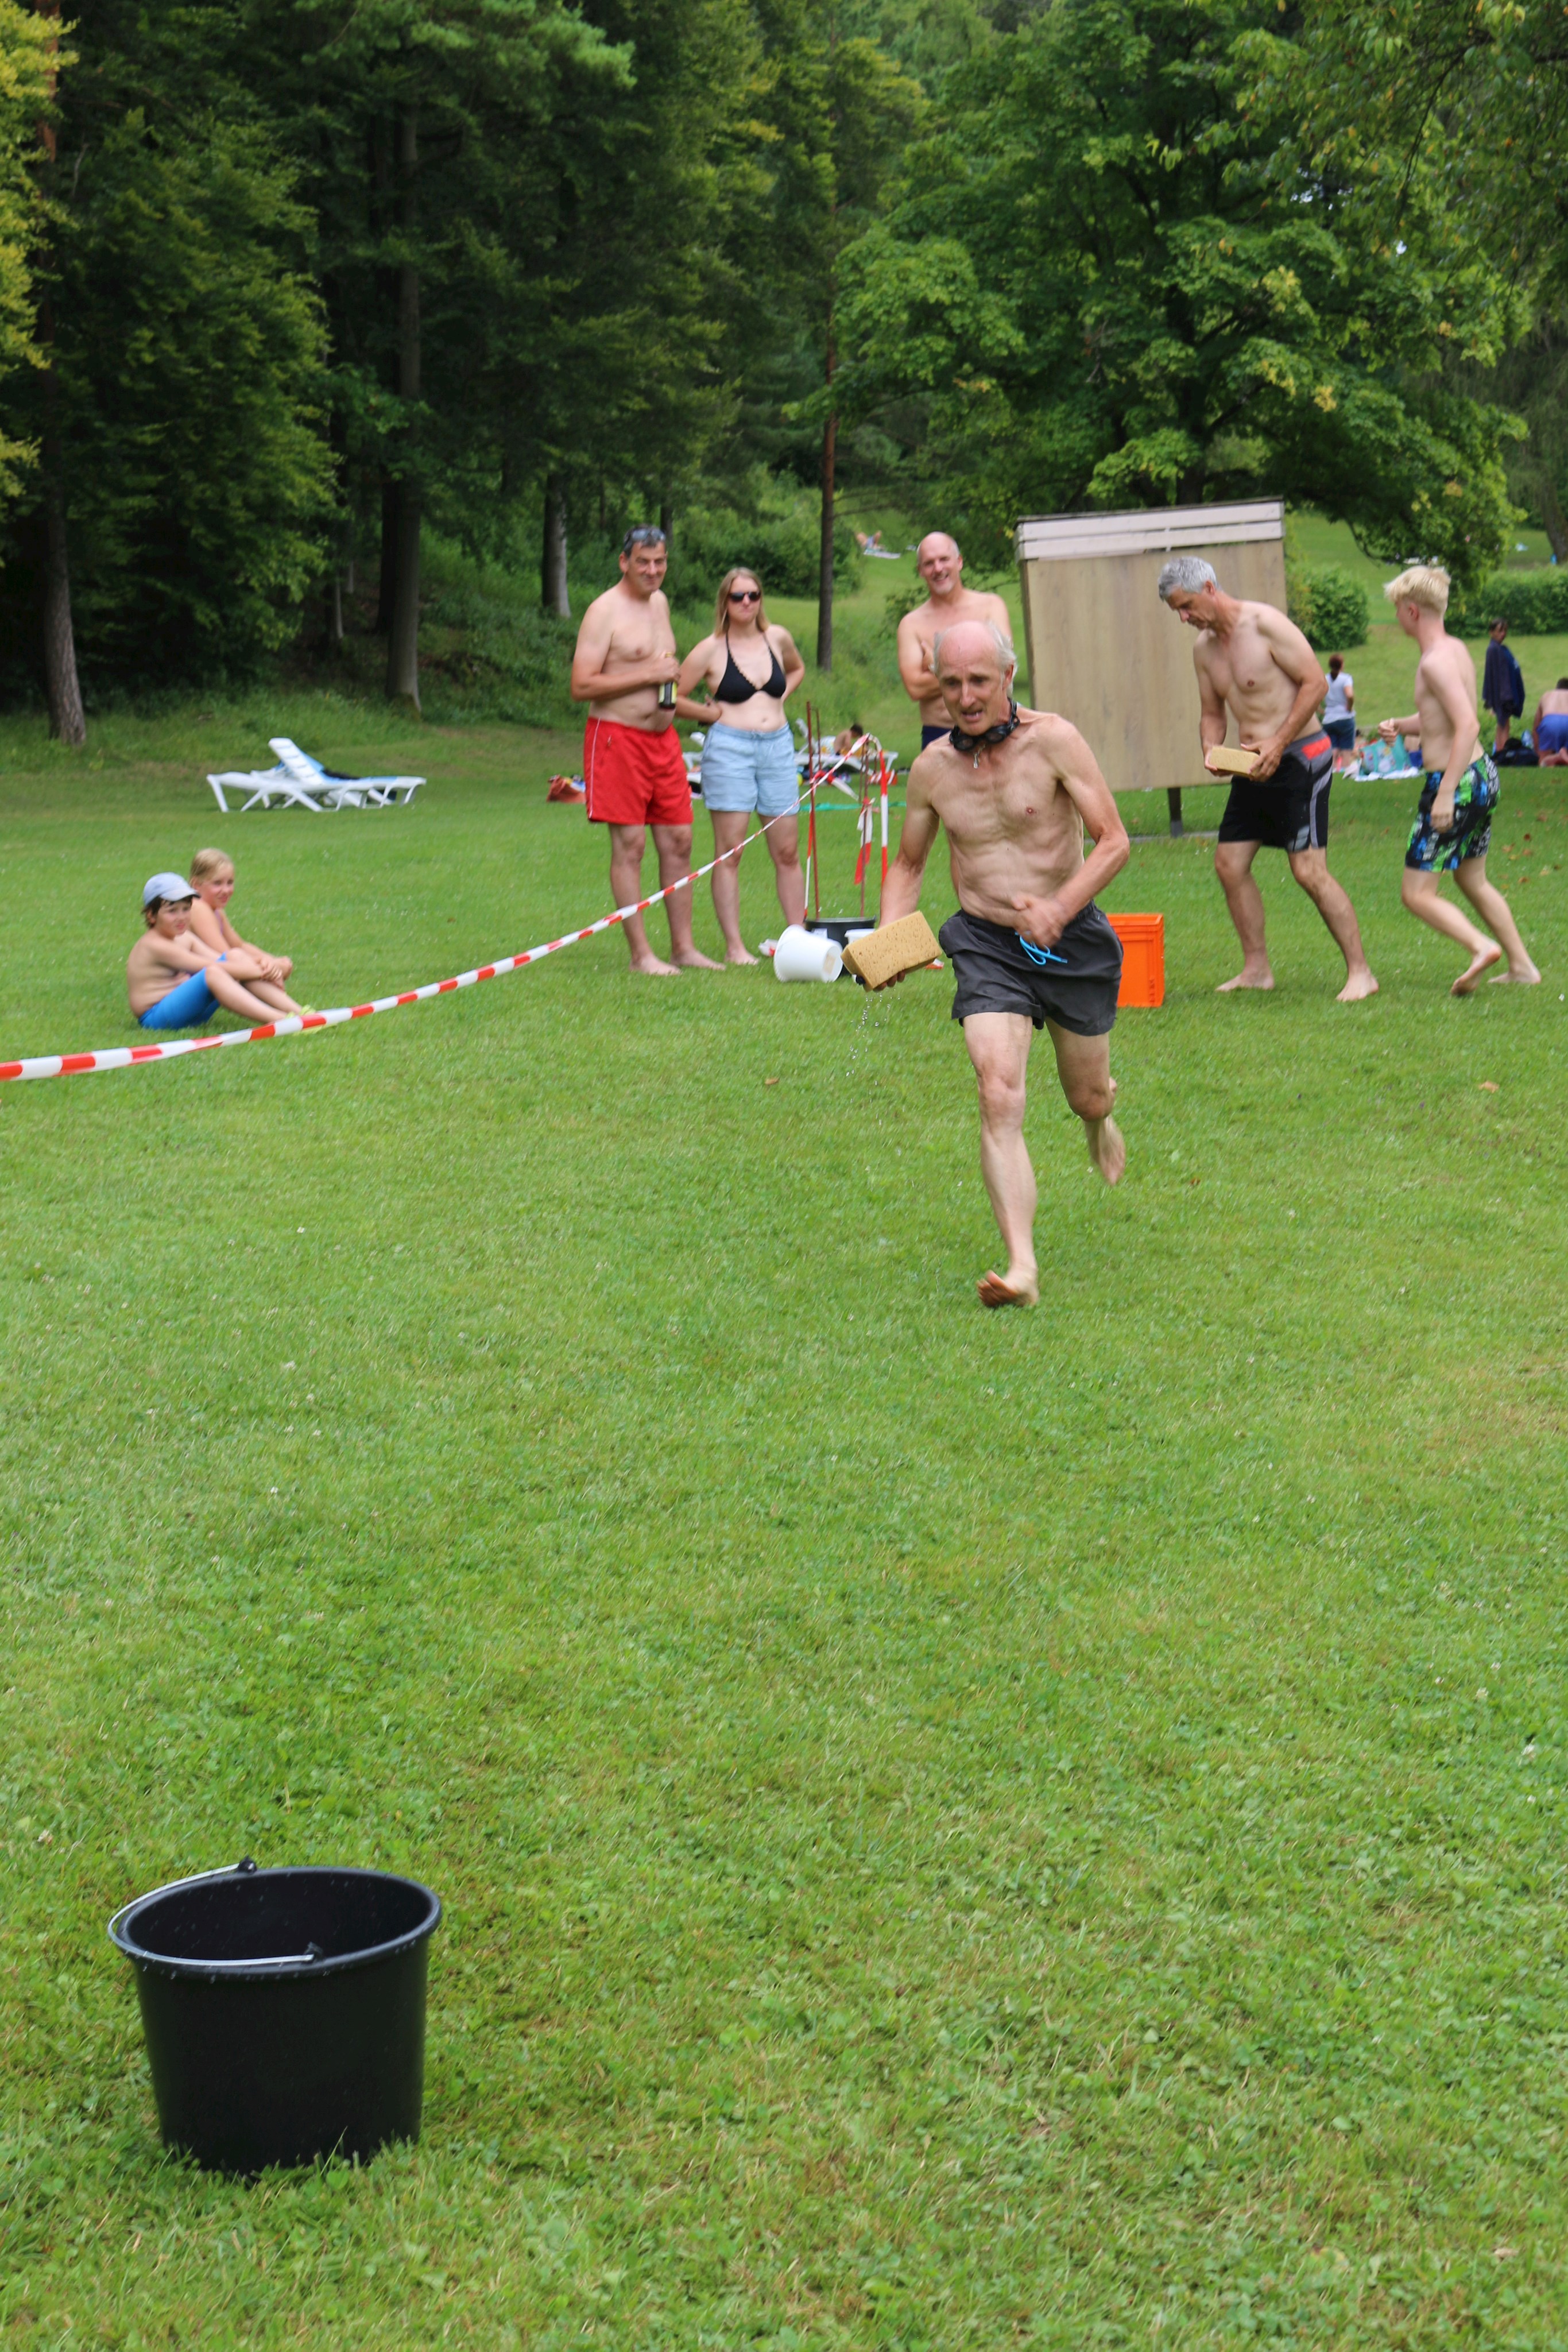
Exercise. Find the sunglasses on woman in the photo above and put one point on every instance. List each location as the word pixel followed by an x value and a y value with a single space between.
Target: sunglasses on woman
pixel 745 595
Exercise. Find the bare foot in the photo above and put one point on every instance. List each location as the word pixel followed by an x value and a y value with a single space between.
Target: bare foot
pixel 1487 953
pixel 1360 985
pixel 1250 976
pixel 694 959
pixel 1527 978
pixel 648 967
pixel 1107 1145
pixel 1010 1289
pixel 738 955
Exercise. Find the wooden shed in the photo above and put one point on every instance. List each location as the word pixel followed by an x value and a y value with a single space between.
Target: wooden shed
pixel 1107 654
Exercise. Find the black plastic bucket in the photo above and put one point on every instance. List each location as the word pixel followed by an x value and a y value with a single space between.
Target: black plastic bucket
pixel 284 2011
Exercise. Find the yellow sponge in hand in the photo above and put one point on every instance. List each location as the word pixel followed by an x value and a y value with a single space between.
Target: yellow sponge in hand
pixel 886 955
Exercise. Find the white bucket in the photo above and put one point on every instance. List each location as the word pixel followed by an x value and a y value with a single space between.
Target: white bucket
pixel 806 955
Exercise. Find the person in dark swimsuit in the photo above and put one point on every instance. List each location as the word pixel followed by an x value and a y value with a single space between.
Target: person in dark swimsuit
pixel 748 667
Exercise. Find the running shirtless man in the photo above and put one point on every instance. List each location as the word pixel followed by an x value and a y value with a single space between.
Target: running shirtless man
pixel 1249 657
pixel 1452 831
pixel 1028 947
pixel 941 566
pixel 632 761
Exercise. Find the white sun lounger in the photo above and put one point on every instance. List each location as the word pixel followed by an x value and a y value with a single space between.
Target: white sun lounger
pixel 343 792
pixel 300 781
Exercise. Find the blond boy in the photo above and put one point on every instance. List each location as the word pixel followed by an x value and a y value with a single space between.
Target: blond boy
pixel 1452 829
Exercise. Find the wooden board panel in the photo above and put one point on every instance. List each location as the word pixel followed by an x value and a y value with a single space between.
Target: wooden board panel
pixel 1105 653
pixel 1171 530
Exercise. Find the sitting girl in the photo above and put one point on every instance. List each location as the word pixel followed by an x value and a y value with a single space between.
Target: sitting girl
pixel 175 981
pixel 213 880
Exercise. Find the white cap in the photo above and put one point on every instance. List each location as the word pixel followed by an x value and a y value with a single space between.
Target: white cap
pixel 168 886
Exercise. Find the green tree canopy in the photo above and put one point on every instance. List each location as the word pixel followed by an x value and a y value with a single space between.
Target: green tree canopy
pixel 1116 282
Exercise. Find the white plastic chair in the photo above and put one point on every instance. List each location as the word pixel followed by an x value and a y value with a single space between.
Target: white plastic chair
pixel 265 786
pixel 341 791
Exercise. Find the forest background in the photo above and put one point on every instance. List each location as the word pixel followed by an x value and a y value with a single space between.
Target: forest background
pixel 295 295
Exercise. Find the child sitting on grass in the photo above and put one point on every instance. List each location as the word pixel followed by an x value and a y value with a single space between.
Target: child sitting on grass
pixel 175 981
pixel 213 880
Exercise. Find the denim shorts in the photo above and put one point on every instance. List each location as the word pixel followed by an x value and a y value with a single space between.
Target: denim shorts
pixel 746 772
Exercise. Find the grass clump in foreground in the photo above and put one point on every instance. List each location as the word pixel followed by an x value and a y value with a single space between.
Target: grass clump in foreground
pixel 955 1830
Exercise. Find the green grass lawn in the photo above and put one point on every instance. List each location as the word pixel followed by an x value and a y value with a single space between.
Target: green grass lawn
pixel 955 1832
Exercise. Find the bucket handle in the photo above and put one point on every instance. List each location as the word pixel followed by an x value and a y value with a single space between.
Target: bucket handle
pixel 243 1868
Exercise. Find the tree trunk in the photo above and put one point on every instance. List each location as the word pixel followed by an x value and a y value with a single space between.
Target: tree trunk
pixel 553 594
pixel 62 688
pixel 387 588
pixel 402 636
pixel 825 569
pixel 1555 521
pixel 67 720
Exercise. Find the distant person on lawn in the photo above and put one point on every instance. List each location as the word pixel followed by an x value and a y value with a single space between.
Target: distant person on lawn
pixel 632 764
pixel 1502 686
pixel 1339 708
pixel 1452 830
pixel 1254 662
pixel 747 666
pixel 175 981
pixel 213 880
pixel 938 561
pixel 1552 727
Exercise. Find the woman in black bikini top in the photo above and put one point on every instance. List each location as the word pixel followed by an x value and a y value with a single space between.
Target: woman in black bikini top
pixel 748 769
pixel 738 696
pixel 735 686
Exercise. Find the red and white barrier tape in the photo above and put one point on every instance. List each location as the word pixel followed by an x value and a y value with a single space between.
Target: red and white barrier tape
pixel 123 1057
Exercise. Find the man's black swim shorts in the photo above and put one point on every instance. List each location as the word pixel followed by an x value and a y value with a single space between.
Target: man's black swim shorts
pixel 1289 809
pixel 1075 983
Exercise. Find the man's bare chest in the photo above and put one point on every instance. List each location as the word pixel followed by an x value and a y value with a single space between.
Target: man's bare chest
pixel 976 807
pixel 1244 669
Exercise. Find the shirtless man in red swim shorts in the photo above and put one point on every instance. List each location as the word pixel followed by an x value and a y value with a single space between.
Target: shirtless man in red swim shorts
pixel 632 761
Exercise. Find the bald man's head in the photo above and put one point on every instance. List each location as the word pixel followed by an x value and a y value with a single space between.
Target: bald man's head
pixel 939 561
pixel 975 669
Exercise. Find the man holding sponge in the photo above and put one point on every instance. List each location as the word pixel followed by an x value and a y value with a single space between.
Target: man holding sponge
pixel 1030 949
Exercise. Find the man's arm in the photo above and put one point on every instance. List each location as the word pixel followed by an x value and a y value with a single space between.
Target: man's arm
pixel 1078 771
pixel 591 681
pixel 1292 655
pixel 914 668
pixel 1214 720
pixel 901 894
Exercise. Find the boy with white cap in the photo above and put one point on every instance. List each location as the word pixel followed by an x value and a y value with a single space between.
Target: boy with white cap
pixel 174 981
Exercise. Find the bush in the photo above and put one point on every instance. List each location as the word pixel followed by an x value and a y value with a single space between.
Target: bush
pixel 1328 606
pixel 1534 603
pixel 783 550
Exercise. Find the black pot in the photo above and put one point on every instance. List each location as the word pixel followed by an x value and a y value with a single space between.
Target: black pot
pixel 284 2011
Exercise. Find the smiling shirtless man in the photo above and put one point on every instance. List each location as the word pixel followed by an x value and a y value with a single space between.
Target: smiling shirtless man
pixel 632 761
pixel 940 564
pixel 1029 948
pixel 1252 659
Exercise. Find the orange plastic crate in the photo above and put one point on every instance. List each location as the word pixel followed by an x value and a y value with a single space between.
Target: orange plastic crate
pixel 1142 938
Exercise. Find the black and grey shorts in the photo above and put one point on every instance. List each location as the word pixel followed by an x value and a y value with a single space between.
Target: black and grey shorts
pixel 1289 809
pixel 1075 983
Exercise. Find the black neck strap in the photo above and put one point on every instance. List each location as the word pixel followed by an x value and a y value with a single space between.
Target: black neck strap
pixel 997 734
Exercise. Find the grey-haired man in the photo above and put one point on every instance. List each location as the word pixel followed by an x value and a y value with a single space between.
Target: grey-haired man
pixel 631 763
pixel 1255 664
